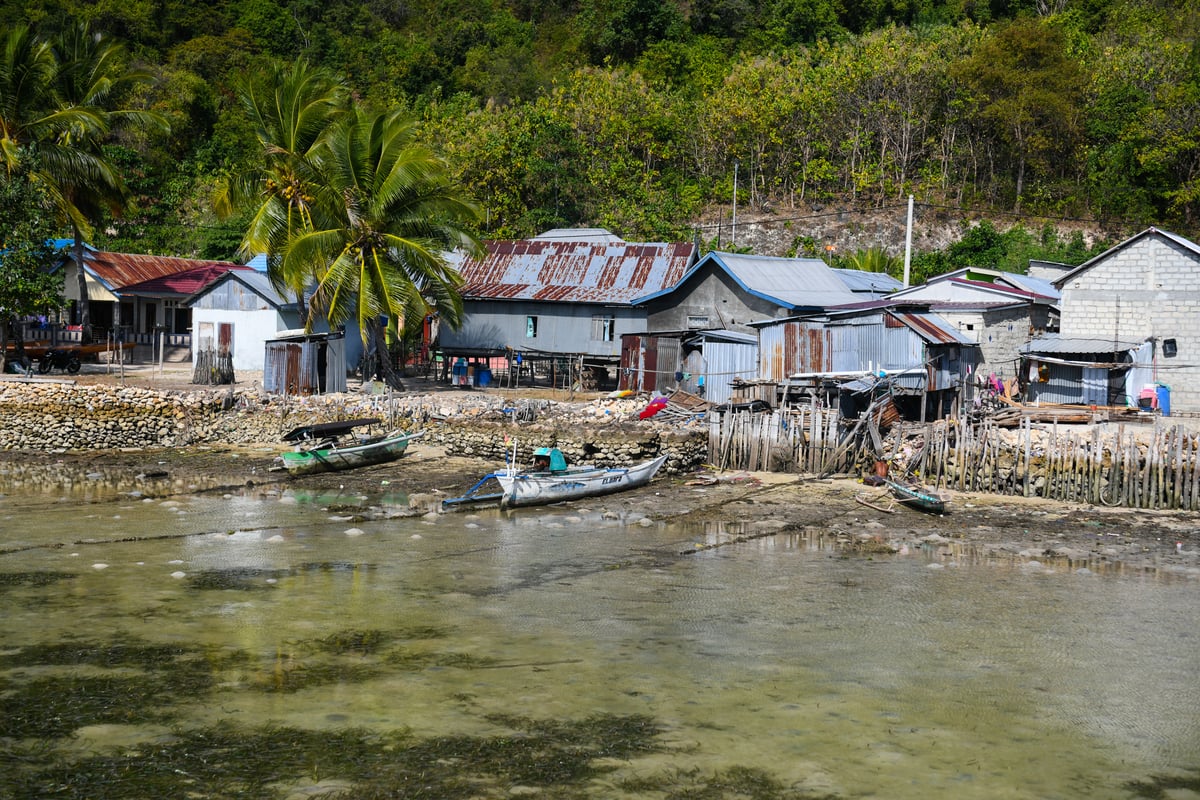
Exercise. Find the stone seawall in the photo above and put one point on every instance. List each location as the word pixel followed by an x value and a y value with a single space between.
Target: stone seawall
pixel 60 417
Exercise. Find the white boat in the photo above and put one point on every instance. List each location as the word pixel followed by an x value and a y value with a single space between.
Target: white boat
pixel 519 488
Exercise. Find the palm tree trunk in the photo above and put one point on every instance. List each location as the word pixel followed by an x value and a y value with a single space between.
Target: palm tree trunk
pixel 85 315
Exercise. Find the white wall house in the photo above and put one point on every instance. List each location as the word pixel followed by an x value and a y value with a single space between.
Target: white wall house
pixel 240 312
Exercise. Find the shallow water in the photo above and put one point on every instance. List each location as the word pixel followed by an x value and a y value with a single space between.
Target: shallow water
pixel 138 628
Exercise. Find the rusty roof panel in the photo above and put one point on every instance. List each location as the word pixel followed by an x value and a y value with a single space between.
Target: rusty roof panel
pixel 118 270
pixel 580 272
pixel 932 328
pixel 184 283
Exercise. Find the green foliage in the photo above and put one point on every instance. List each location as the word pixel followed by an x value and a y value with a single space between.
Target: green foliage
pixel 873 259
pixel 983 245
pixel 621 30
pixel 27 286
pixel 631 113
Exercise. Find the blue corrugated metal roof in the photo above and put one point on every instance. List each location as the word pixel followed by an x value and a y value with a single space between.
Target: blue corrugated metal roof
pixel 787 282
pixel 876 283
pixel 614 273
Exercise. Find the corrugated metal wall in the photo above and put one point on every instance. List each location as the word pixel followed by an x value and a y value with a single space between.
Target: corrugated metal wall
pixel 722 362
pixel 1063 384
pixel 798 346
pixel 302 366
pixel 648 363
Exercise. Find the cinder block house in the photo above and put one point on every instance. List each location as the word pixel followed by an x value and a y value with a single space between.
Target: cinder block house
pixel 1130 319
pixel 999 311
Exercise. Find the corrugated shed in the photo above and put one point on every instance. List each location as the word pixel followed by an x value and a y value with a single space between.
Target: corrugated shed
pixel 721 363
pixel 305 365
pixel 574 271
pixel 887 341
pixel 648 362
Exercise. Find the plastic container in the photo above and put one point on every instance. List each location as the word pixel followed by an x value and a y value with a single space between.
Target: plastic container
pixel 1164 399
pixel 485 377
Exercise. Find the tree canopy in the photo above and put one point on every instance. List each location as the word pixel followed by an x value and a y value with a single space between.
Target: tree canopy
pixel 631 114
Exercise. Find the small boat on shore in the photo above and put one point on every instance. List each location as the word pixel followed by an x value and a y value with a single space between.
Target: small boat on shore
pixel 517 488
pixel 917 496
pixel 910 494
pixel 330 447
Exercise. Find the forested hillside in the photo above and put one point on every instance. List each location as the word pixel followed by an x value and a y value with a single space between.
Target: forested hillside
pixel 641 115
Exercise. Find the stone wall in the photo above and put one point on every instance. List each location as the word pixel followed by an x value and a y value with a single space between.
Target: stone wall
pixel 60 416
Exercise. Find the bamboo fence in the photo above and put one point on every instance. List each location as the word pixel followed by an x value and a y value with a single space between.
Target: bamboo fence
pixel 1113 465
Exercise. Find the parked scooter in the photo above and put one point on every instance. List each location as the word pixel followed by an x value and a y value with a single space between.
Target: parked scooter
pixel 56 358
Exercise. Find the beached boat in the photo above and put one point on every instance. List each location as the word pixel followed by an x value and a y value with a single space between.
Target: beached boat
pixel 513 488
pixel 331 447
pixel 917 496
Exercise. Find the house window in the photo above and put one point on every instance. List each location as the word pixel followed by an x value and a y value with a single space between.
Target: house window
pixel 531 327
pixel 602 328
pixel 697 321
pixel 1170 348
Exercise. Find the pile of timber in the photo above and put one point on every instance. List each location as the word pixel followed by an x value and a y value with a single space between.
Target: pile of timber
pixel 1012 413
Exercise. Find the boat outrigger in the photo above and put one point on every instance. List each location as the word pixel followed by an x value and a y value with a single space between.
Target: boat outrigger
pixel 556 483
pixel 328 447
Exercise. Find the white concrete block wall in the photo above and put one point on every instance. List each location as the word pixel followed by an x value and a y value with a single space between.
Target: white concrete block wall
pixel 1151 288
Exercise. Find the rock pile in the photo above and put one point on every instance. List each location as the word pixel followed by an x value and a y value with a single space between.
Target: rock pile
pixel 60 416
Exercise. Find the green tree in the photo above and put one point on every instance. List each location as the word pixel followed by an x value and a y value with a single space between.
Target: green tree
pixel 1029 91
pixel 387 214
pixel 291 107
pixel 874 259
pixel 91 74
pixel 63 99
pixel 27 285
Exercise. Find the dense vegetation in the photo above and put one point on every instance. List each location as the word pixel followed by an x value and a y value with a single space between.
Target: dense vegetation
pixel 636 115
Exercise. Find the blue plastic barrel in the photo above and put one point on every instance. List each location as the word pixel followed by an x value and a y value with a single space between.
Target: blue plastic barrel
pixel 1164 399
pixel 484 376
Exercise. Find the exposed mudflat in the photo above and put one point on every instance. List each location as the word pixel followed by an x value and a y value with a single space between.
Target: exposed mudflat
pixel 750 505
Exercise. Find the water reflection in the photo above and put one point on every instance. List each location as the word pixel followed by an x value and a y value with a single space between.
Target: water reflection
pixel 274 644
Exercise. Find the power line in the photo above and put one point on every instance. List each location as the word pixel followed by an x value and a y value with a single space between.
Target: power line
pixel 932 206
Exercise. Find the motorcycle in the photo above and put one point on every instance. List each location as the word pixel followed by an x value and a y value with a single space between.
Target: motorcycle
pixel 59 359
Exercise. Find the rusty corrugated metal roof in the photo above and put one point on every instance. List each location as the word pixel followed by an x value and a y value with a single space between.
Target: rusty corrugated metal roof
pixel 575 271
pixel 931 327
pixel 120 270
pixel 183 283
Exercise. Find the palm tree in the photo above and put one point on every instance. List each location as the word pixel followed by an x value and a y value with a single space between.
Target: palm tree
pixel 59 104
pixel 93 75
pixel 291 107
pixel 388 214
pixel 874 259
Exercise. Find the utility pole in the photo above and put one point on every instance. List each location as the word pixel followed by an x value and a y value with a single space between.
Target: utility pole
pixel 908 242
pixel 733 237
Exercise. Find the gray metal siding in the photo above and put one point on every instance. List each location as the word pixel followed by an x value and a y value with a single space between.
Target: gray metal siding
pixel 726 361
pixel 561 328
pixel 1065 385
